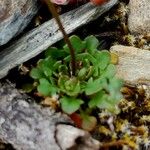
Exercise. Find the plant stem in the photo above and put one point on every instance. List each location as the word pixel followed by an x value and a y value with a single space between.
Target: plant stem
pixel 56 16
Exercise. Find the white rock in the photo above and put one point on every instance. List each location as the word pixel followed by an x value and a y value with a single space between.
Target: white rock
pixel 133 65
pixel 139 16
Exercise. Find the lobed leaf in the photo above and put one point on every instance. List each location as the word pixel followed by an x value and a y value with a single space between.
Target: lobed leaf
pixel 55 53
pixel 36 73
pixel 45 88
pixel 103 59
pixel 91 44
pixel 96 100
pixel 95 86
pixel 77 43
pixel 70 105
pixel 109 72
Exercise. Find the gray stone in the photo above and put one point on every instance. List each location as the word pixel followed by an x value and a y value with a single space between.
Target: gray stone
pixel 28 126
pixel 133 65
pixel 14 17
pixel 139 16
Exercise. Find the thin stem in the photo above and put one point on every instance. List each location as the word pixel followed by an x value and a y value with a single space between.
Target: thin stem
pixel 56 16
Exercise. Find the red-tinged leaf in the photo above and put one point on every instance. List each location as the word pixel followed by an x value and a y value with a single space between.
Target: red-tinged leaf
pixel 76 119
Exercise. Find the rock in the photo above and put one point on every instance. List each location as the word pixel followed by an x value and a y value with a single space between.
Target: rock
pixel 47 34
pixel 133 65
pixel 28 126
pixel 139 16
pixel 67 135
pixel 14 17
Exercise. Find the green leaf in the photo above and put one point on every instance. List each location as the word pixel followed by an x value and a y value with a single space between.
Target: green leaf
pixel 50 51
pixel 36 73
pixel 96 72
pixel 91 44
pixel 94 102
pixel 63 69
pixel 85 73
pixel 104 103
pixel 115 84
pixel 61 82
pixel 110 71
pixel 114 88
pixel 56 65
pixel 103 59
pixel 46 65
pixel 77 44
pixel 55 53
pixel 95 86
pixel 70 105
pixel 70 86
pixel 86 56
pixel 45 88
pixel 90 72
pixel 47 71
pixel 83 57
pixel 47 62
pixel 82 73
pixel 86 62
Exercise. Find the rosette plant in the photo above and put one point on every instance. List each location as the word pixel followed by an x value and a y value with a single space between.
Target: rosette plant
pixel 93 85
